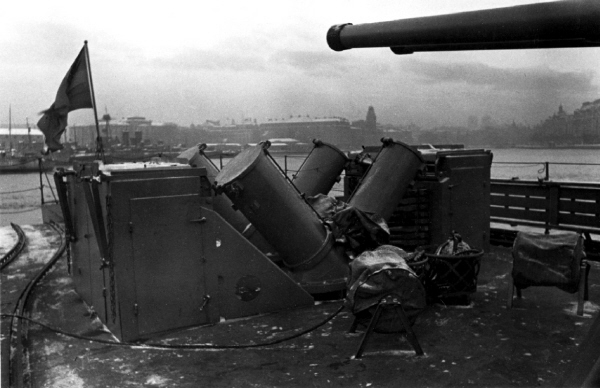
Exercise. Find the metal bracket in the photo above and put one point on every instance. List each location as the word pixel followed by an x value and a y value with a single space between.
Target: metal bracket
pixel 103 264
pixel 205 301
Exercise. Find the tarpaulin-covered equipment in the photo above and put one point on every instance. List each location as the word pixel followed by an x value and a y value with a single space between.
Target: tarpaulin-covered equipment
pixel 354 229
pixel 550 260
pixel 384 292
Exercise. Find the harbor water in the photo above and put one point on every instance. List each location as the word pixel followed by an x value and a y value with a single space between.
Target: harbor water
pixel 20 195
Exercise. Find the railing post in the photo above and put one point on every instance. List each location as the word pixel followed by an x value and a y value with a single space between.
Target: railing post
pixel 285 165
pixel 547 171
pixel 41 181
pixel 553 202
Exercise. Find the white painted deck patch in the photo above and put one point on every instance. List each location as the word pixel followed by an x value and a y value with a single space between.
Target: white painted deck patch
pixel 8 239
pixel 64 377
pixel 53 347
pixel 156 380
pixel 37 242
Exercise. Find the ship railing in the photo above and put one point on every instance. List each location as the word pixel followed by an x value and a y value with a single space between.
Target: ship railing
pixel 543 171
pixel 546 205
pixel 14 197
pixel 290 162
pixel 540 203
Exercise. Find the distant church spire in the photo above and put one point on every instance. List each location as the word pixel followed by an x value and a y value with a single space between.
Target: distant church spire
pixel 371 122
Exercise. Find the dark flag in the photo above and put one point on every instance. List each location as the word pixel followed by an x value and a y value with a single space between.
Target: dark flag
pixel 73 93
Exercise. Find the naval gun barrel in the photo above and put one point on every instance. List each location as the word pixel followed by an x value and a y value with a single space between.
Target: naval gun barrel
pixel 570 23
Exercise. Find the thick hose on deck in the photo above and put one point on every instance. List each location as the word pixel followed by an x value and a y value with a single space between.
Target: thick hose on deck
pixel 148 345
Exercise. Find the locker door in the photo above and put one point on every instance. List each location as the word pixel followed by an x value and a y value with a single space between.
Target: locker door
pixel 168 267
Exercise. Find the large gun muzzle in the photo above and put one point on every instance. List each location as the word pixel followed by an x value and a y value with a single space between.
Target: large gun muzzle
pixel 571 23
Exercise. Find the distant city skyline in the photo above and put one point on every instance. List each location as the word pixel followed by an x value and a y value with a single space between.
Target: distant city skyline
pixel 467 121
pixel 185 63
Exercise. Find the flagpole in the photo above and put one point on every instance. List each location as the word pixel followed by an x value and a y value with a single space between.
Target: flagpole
pixel 99 148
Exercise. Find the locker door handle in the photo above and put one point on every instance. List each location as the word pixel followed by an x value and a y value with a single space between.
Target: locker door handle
pixel 199 220
pixel 205 301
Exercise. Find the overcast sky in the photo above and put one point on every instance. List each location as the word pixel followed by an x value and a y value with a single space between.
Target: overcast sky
pixel 186 62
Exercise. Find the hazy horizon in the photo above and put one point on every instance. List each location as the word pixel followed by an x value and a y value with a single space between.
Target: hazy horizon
pixel 181 63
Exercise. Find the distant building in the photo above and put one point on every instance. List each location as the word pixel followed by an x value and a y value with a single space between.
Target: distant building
pixel 586 122
pixel 127 130
pixel 371 121
pixel 228 131
pixel 136 129
pixel 583 126
pixel 557 126
pixel 334 130
pixel 21 138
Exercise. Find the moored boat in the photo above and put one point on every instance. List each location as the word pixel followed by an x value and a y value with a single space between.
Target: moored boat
pixel 24 163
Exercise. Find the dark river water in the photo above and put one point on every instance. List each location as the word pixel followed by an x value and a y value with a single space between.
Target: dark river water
pixel 20 195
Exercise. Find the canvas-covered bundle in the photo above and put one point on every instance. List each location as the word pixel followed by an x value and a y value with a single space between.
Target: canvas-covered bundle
pixel 356 230
pixel 381 273
pixel 548 260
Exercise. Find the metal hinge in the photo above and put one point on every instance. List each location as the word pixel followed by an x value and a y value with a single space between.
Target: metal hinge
pixel 136 309
pixel 131 227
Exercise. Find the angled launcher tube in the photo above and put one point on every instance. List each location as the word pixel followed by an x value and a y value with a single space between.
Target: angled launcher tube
pixel 387 179
pixel 530 26
pixel 260 190
pixel 222 205
pixel 320 170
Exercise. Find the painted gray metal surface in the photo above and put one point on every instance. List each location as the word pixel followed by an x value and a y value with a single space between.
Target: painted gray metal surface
pixel 387 179
pixel 259 189
pixel 320 170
